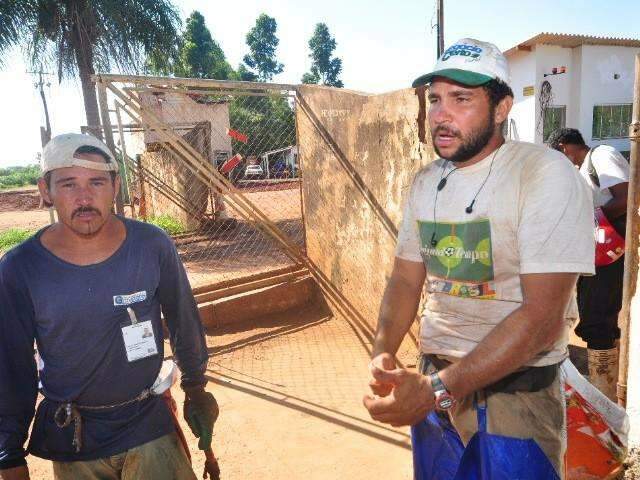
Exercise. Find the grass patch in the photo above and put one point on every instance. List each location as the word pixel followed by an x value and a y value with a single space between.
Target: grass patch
pixel 12 237
pixel 169 224
pixel 12 177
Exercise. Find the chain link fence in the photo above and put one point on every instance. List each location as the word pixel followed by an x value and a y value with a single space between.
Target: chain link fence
pixel 247 136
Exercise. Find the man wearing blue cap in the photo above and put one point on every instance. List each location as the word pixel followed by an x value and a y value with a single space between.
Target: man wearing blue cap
pixel 499 231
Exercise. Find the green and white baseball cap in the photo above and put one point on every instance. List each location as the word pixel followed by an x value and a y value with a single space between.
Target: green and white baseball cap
pixel 469 62
pixel 60 151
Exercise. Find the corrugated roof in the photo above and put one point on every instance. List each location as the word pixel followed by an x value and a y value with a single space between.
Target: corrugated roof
pixel 570 41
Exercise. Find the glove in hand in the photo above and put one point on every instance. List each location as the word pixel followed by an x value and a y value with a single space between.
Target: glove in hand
pixel 201 411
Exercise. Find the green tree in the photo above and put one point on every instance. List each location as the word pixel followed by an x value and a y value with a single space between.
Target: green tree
pixel 196 55
pixel 262 42
pixel 244 74
pixel 324 69
pixel 78 37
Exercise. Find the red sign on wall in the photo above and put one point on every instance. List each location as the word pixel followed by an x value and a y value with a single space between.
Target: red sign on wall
pixel 241 137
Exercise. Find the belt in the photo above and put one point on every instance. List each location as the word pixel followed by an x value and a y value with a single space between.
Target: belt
pixel 68 412
pixel 528 379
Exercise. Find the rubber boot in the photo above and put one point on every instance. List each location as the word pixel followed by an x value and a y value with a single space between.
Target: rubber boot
pixel 603 371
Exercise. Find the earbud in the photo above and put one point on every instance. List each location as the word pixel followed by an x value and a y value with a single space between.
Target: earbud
pixel 434 242
pixel 469 209
pixel 442 183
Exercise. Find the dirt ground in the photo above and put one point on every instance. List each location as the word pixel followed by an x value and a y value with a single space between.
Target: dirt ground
pixel 633 466
pixel 222 253
pixel 20 208
pixel 289 388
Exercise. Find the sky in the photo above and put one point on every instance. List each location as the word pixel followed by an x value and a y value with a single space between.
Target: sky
pixel 383 45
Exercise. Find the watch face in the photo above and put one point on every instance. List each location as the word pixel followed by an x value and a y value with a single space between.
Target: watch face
pixel 444 401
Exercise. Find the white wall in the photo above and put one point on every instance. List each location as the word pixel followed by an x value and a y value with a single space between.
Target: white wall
pixel 589 81
pixel 548 57
pixel 599 64
pixel 522 68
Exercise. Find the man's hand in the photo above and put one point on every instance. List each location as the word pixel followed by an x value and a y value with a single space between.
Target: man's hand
pixel 17 473
pixel 410 400
pixel 200 412
pixel 384 361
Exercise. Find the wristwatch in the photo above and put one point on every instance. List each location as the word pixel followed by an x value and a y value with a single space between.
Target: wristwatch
pixel 443 398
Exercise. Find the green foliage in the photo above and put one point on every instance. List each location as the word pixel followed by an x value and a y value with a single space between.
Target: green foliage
pixel 108 33
pixel 244 74
pixel 324 69
pixel 12 237
pixel 81 37
pixel 169 224
pixel 269 122
pixel 19 176
pixel 197 54
pixel 262 42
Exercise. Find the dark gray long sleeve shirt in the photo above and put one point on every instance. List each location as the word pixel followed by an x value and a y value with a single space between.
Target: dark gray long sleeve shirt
pixel 75 315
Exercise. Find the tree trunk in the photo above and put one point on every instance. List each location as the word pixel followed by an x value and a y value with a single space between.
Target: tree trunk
pixel 89 95
pixel 83 50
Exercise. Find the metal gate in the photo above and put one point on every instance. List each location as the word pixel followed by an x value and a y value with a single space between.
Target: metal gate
pixel 214 164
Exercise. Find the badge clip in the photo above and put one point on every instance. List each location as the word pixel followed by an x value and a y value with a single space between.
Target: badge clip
pixel 132 316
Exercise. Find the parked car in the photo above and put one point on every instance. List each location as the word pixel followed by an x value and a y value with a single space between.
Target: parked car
pixel 254 171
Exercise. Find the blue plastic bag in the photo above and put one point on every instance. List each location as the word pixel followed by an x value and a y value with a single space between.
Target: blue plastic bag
pixel 437 449
pixel 438 454
pixel 495 457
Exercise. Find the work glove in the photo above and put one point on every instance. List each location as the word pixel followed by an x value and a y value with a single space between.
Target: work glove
pixel 200 412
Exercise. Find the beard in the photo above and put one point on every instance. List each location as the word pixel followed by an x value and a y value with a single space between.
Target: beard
pixel 472 144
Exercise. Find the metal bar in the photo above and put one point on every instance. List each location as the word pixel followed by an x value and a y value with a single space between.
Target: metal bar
pixel 191 82
pixel 440 27
pixel 300 171
pixel 631 257
pixel 123 150
pixel 108 136
pixel 235 93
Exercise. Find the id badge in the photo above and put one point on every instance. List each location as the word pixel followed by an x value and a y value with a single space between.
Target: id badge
pixel 139 339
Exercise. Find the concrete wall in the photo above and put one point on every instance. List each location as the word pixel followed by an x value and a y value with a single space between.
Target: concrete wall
pixel 378 136
pixel 522 67
pixel 182 111
pixel 179 178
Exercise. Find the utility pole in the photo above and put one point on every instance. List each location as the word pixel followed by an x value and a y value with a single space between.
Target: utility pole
pixel 629 335
pixel 45 132
pixel 440 27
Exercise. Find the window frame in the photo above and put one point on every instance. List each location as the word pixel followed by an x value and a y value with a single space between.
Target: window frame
pixel 563 123
pixel 621 130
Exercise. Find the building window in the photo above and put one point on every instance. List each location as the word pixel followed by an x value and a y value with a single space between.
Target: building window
pixel 554 118
pixel 611 121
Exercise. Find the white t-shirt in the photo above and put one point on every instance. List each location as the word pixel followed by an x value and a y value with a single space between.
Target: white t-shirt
pixel 533 215
pixel 610 166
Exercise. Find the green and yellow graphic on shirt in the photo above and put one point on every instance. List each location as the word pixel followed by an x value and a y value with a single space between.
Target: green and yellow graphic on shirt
pixel 458 258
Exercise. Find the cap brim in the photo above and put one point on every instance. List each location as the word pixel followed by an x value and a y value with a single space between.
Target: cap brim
pixel 465 77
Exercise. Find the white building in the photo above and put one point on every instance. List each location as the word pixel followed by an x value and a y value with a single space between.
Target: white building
pixel 591 90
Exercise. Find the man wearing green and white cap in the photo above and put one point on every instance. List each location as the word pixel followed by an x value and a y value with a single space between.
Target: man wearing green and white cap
pixel 499 231
pixel 90 291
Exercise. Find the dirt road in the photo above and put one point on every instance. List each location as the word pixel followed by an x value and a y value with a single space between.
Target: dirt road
pixel 290 388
